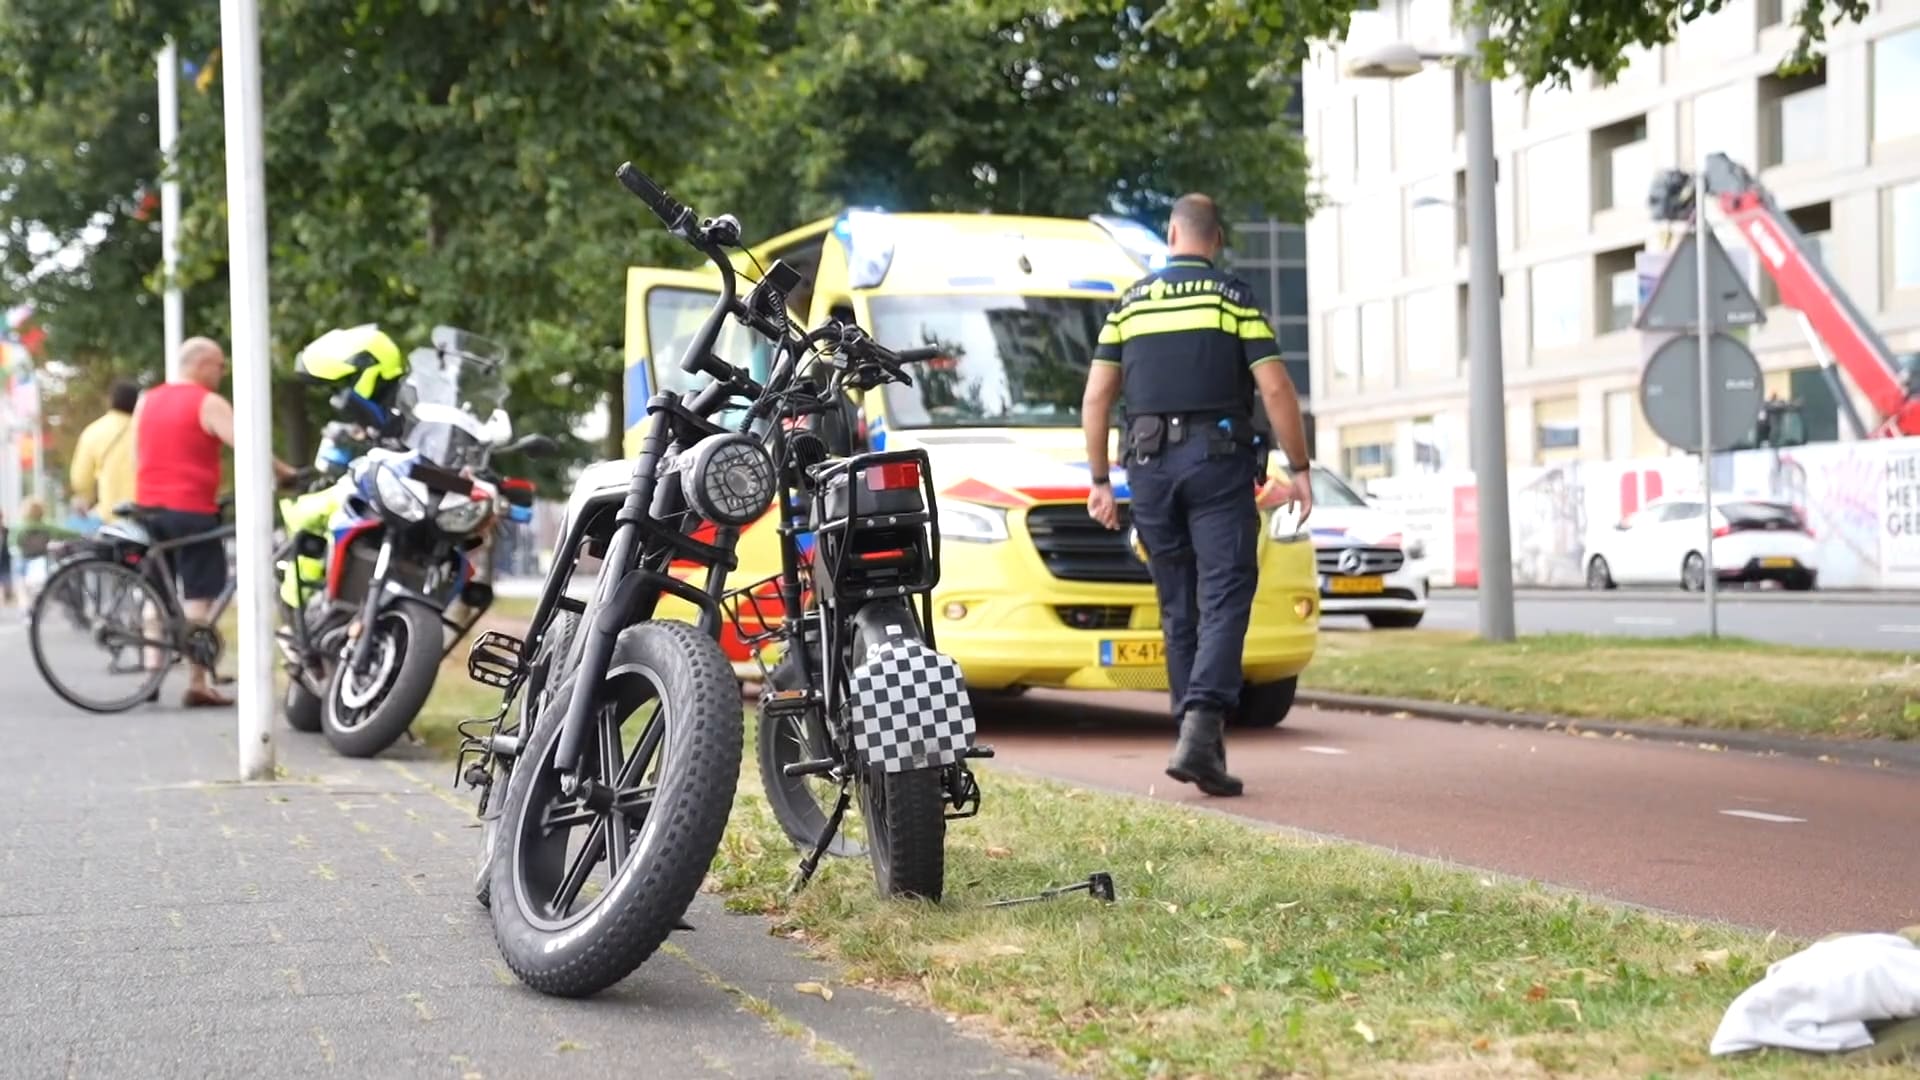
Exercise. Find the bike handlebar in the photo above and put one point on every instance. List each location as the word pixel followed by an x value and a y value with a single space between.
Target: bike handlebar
pixel 675 215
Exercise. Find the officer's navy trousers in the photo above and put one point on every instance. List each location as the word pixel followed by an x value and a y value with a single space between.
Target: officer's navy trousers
pixel 1199 521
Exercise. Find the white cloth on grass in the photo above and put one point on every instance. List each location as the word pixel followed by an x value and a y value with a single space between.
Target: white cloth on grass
pixel 1821 998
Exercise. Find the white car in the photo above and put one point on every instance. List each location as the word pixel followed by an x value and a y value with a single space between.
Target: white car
pixel 1368 566
pixel 1664 542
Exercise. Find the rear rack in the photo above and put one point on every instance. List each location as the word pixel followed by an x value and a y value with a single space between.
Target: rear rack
pixel 756 611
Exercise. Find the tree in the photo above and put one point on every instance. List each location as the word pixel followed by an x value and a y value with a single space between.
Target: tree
pixel 1537 41
pixel 1008 107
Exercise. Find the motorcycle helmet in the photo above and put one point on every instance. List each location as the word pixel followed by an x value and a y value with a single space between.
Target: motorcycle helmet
pixel 364 365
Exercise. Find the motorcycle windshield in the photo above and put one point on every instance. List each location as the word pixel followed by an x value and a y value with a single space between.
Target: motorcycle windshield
pixel 462 370
pixel 448 445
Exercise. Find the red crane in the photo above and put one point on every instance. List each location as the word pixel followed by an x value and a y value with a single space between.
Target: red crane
pixel 1838 330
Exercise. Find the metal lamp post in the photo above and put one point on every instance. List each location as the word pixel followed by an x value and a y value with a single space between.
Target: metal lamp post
pixel 1487 407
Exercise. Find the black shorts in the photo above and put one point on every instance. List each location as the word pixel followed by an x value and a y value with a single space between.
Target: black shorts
pixel 199 568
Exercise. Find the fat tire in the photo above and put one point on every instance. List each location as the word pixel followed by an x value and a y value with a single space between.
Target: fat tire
pixel 638 911
pixel 412 684
pixel 799 816
pixel 1264 705
pixel 557 643
pixel 905 812
pixel 48 590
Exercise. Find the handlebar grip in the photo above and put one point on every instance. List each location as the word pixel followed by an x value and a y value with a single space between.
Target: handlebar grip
pixel 664 206
pixel 919 356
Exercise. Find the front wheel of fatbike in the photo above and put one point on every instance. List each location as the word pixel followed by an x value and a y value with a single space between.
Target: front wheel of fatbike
pixel 585 889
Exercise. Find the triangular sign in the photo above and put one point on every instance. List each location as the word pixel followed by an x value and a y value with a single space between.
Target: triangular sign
pixel 1675 302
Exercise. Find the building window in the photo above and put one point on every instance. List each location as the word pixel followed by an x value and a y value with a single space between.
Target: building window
pixel 1903 235
pixel 1618 287
pixel 1430 222
pixel 1555 195
pixel 1428 331
pixel 1620 424
pixel 1623 163
pixel 1556 290
pixel 1556 430
pixel 1642 67
pixel 1366 461
pixel 1723 122
pixel 1376 344
pixel 1291 241
pixel 1896 86
pixel 1794 117
pixel 1373 130
pixel 1372 229
pixel 1429 445
pixel 1293 336
pixel 1342 347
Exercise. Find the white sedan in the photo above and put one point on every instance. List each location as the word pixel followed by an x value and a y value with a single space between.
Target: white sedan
pixel 1665 541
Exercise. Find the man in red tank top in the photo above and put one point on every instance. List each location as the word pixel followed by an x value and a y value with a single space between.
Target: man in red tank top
pixel 179 428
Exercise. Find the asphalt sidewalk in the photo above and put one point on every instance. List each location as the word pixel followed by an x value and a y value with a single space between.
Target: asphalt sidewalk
pixel 159 920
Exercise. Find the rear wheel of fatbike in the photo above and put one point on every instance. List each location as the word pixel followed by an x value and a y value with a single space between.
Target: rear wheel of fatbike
pixel 905 812
pixel 586 888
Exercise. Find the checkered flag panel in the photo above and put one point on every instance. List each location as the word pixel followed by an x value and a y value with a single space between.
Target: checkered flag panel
pixel 909 708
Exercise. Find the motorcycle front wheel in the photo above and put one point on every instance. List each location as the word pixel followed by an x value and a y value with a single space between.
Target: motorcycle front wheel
pixel 367 711
pixel 585 889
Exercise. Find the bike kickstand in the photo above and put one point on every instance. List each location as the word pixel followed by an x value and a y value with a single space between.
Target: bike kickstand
pixel 812 862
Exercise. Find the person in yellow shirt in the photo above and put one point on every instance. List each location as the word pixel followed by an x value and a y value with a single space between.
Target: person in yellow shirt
pixel 102 475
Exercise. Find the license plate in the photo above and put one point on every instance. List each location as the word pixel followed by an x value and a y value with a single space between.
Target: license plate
pixel 1778 561
pixel 1132 653
pixel 1349 585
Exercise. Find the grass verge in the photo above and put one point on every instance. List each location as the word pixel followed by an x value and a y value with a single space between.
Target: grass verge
pixel 1238 951
pixel 1726 684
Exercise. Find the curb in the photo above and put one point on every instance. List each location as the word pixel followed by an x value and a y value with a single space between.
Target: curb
pixel 1833 597
pixel 1878 754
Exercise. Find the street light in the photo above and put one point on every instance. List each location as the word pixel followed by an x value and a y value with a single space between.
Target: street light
pixel 1487 406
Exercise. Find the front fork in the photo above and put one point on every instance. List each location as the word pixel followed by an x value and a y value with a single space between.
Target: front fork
pixel 362 647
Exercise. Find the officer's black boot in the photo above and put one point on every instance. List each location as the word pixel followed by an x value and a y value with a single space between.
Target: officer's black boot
pixel 1200 758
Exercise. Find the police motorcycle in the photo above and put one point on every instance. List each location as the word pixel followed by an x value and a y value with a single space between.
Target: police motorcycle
pixel 606 793
pixel 392 540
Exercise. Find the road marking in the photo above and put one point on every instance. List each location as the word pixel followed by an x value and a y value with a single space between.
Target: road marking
pixel 1321 750
pixel 1894 628
pixel 1757 815
pixel 1642 620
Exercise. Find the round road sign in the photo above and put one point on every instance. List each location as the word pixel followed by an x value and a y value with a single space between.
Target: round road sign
pixel 1670 391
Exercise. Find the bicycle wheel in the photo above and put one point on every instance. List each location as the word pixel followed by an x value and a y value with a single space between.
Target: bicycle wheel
pixel 92 611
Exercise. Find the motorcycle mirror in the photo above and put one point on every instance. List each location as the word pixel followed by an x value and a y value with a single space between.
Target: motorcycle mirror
pixel 534 444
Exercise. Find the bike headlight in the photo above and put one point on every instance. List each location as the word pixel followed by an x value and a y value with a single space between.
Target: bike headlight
pixel 1284 526
pixel 728 479
pixel 397 497
pixel 462 517
pixel 971 522
pixel 1416 549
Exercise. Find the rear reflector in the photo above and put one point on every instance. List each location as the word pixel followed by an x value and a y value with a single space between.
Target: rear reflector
pixel 894 476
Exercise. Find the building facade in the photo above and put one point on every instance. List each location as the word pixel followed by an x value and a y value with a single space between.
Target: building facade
pixel 1839 148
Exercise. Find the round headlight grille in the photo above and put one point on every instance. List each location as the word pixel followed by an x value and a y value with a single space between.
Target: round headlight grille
pixel 729 479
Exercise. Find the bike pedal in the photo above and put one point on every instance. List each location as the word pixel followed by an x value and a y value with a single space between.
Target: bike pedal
pixel 808 768
pixel 494 660
pixel 783 703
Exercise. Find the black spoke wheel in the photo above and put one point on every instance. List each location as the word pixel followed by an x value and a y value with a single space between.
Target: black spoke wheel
pixel 101 635
pixel 801 804
pixel 368 709
pixel 534 696
pixel 587 885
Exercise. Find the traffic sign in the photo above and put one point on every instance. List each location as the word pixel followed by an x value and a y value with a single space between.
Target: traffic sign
pixel 1675 303
pixel 1670 391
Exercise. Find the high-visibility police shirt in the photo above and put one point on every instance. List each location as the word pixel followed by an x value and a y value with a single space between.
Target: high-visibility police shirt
pixel 1187 339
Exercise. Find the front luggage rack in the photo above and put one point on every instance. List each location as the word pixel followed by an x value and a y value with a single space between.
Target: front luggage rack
pixel 756 611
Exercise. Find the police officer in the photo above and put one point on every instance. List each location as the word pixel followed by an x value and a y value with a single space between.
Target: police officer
pixel 1198 368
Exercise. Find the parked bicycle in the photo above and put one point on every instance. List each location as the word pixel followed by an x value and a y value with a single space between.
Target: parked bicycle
pixel 112 613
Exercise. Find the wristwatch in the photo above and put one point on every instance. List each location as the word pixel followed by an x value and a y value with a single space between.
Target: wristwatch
pixel 1292 468
pixel 1102 481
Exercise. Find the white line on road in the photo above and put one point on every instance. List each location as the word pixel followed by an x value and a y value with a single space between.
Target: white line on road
pixel 1756 815
pixel 1321 750
pixel 1642 620
pixel 1893 628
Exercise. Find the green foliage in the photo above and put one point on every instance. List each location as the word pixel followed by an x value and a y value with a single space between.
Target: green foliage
pixel 1536 41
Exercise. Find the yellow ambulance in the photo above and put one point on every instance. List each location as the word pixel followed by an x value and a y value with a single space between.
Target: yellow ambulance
pixel 1033 592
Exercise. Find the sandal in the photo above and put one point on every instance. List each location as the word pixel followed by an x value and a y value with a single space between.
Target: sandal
pixel 202 697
